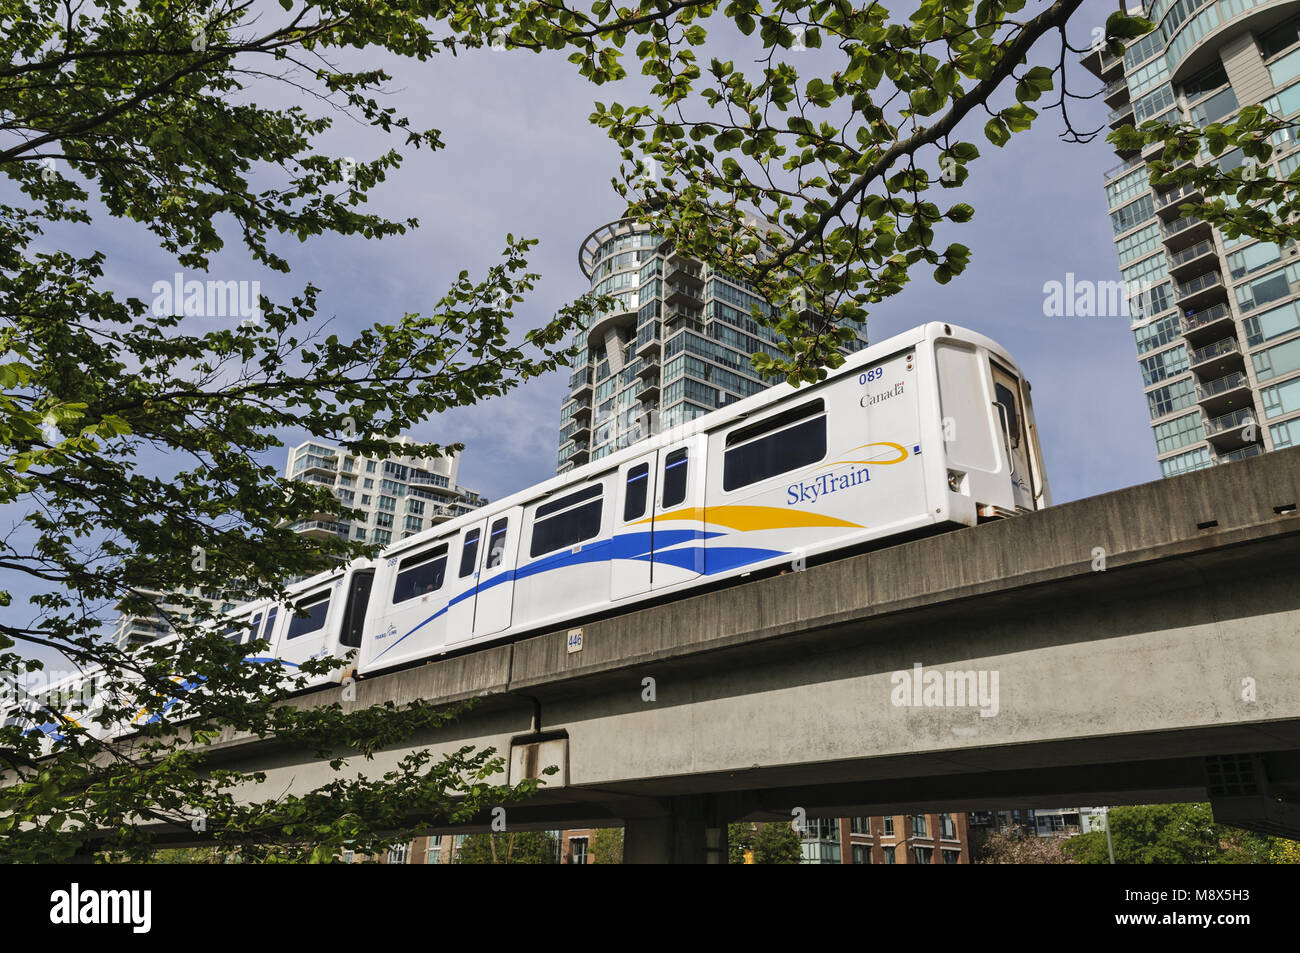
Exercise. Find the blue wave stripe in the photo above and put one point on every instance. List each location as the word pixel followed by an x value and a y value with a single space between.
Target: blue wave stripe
pixel 661 546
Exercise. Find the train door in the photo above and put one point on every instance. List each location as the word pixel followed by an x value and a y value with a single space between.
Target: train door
pixel 496 580
pixel 630 566
pixel 465 563
pixel 1015 436
pixel 679 526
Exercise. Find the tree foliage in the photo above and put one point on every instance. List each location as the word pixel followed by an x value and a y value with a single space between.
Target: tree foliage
pixel 607 845
pixel 512 847
pixel 135 442
pixel 1018 847
pixel 134 439
pixel 771 843
pixel 1173 834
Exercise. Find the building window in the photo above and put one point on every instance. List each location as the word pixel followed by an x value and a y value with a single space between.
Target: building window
pixel 414 524
pixel 578 848
pixel 861 825
pixel 947 827
pixel 889 827
pixel 922 854
pixel 370 468
pixel 434 855
pixel 861 854
pixel 951 856
pixel 889 856
pixel 918 826
pixel 400 854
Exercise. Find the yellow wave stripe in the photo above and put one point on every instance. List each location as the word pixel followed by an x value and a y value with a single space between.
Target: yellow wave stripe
pixel 748 518
pixel 902 455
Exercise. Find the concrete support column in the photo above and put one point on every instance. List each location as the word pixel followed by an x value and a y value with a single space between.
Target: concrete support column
pixel 690 832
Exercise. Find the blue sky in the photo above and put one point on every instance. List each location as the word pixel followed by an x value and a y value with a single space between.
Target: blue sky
pixel 522 158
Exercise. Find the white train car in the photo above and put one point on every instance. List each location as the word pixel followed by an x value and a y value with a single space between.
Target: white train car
pixel 932 428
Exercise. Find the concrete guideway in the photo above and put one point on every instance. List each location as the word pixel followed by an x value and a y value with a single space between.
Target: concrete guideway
pixel 1134 647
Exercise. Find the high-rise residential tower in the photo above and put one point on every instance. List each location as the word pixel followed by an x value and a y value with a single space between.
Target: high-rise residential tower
pixel 677 344
pixel 1217 320
pixel 399 495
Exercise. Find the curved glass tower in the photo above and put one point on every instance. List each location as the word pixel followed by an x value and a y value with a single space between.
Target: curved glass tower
pixel 676 345
pixel 1216 320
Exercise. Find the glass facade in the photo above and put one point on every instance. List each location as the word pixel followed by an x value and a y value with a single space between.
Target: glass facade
pixel 676 346
pixel 1216 321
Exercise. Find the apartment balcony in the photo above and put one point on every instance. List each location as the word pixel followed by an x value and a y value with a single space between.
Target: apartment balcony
pixel 1212 324
pixel 683 294
pixel 1167 203
pixel 1128 165
pixel 320 529
pixel 580 383
pixel 684 270
pixel 1184 232
pixel 1217 360
pixel 1192 259
pixel 649 388
pixel 647 341
pixel 1120 115
pixel 678 318
pixel 581 409
pixel 1252 450
pixel 1200 292
pixel 1116 90
pixel 1233 431
pixel 1223 395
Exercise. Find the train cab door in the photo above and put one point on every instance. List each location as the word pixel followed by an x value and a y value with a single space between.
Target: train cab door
pixel 467 554
pixel 630 567
pixel 679 527
pixel 496 580
pixel 1010 409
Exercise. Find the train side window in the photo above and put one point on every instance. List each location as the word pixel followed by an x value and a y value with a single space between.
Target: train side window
pixel 469 555
pixel 634 496
pixel 564 502
pixel 313 621
pixel 270 623
pixel 783 442
pixel 420 574
pixel 578 522
pixel 675 467
pixel 1012 420
pixel 497 544
pixel 237 633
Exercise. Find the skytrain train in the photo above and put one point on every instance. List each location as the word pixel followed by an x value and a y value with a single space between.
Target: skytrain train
pixel 929 430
